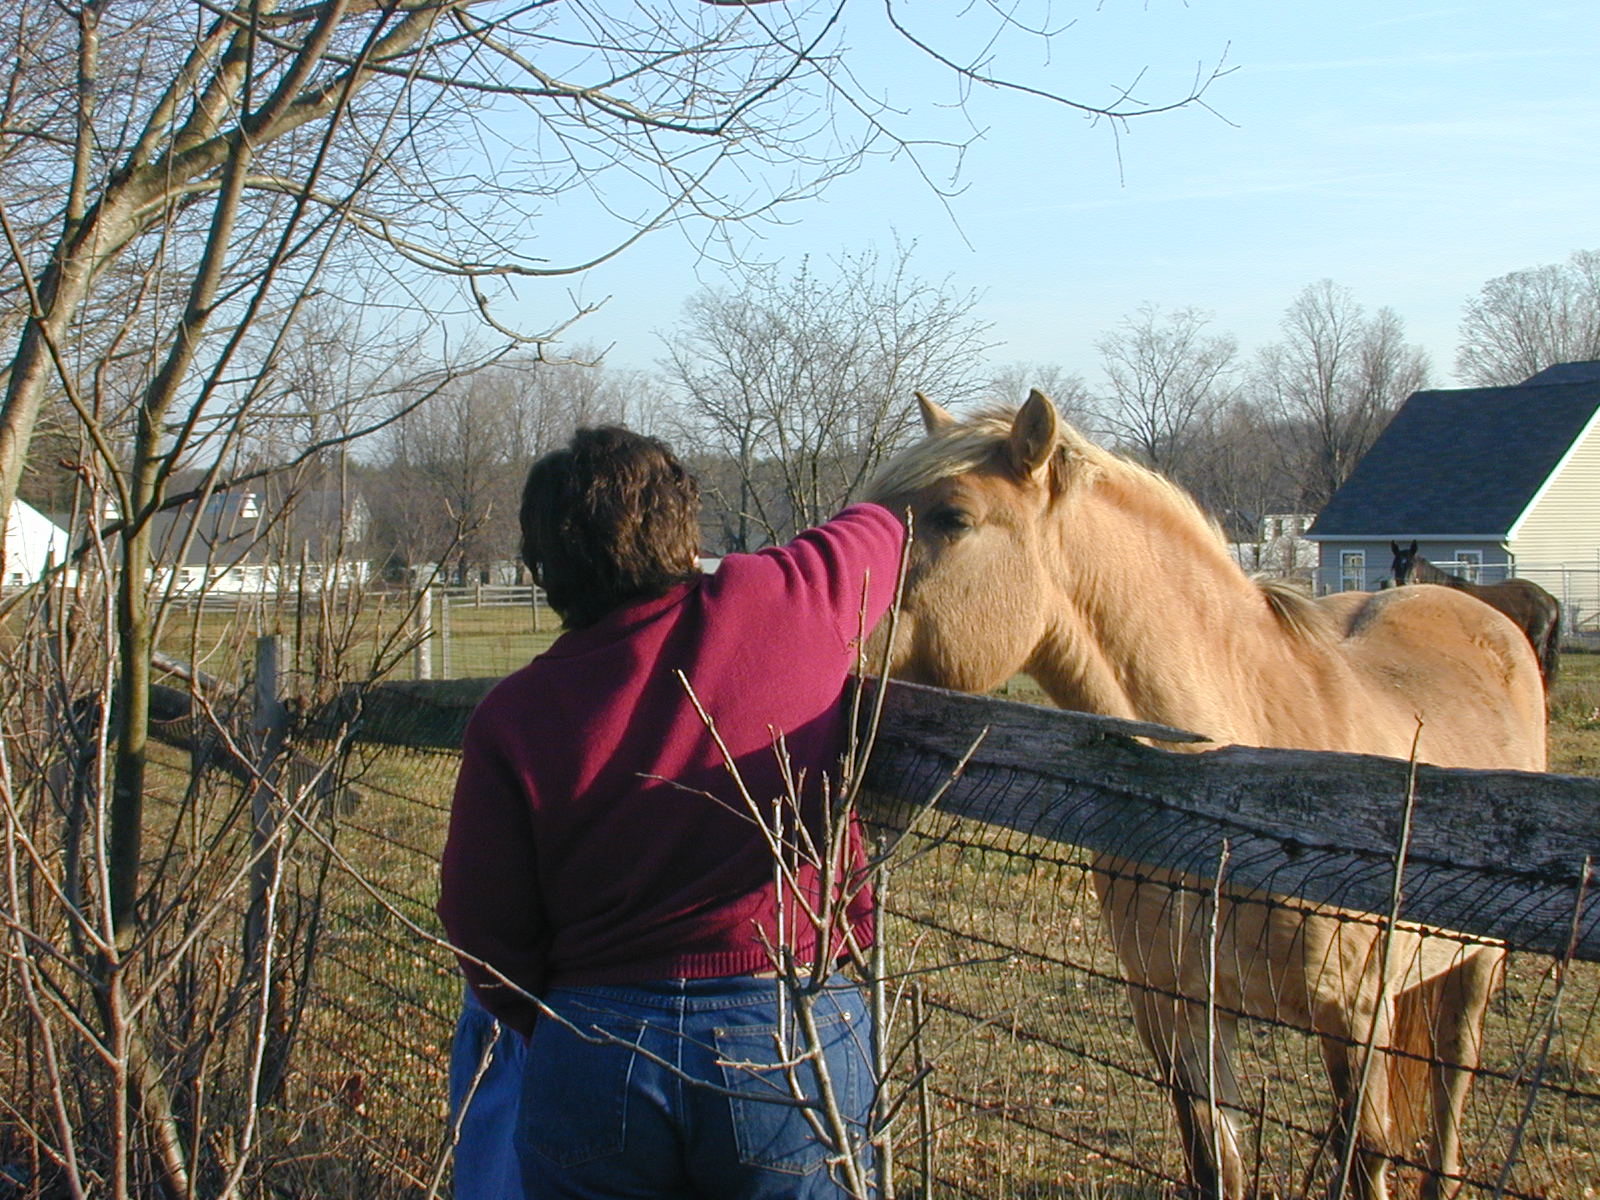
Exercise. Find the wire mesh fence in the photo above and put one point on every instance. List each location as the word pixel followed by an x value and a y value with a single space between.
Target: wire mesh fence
pixel 1037 1083
pixel 1045 1087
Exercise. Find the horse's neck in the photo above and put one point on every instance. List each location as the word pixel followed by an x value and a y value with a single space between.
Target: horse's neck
pixel 1423 571
pixel 1155 622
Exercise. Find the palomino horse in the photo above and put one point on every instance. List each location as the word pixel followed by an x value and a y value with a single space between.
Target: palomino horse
pixel 1535 611
pixel 1036 551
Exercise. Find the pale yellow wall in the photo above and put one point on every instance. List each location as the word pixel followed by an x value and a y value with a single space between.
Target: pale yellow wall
pixel 1562 529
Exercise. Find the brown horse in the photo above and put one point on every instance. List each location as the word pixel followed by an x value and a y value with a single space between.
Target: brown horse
pixel 1036 551
pixel 1535 611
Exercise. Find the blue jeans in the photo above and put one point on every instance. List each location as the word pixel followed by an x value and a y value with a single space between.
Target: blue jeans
pixel 486 1064
pixel 625 1118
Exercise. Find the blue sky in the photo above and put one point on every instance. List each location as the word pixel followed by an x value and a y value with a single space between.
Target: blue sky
pixel 1410 153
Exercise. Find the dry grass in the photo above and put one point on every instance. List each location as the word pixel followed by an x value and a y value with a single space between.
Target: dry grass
pixel 1575 716
pixel 1041 1087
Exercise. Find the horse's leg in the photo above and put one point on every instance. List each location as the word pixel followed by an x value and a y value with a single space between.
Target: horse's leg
pixel 1443 1019
pixel 1200 1076
pixel 1361 1090
pixel 1150 923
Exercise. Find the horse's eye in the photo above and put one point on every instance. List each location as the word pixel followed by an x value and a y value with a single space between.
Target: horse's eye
pixel 949 521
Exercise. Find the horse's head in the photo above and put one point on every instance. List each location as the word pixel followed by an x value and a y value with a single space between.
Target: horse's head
pixel 1404 564
pixel 977 586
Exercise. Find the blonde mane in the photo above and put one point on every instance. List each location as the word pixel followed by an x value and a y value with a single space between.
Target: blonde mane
pixel 978 441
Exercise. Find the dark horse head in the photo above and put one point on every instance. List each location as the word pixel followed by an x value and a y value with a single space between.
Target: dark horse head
pixel 1407 567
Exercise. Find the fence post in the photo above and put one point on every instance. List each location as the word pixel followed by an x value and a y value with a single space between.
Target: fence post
pixel 268 726
pixel 424 634
pixel 444 636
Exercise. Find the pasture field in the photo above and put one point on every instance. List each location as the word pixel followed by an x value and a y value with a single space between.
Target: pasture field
pixel 1575 715
pixel 1039 1088
pixel 373 634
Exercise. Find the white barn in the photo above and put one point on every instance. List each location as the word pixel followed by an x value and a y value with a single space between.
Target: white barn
pixel 32 541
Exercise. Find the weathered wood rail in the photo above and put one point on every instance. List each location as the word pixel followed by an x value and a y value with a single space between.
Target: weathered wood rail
pixel 1500 854
pixel 1493 853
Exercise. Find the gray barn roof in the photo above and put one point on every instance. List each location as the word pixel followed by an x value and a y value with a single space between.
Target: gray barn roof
pixel 1464 462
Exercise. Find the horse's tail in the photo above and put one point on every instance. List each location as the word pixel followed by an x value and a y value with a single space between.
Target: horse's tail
pixel 1550 652
pixel 1415 1049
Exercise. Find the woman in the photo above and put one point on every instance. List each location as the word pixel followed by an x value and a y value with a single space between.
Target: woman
pixel 603 857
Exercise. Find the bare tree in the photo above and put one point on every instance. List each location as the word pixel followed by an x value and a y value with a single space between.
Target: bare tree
pixel 1165 377
pixel 260 131
pixel 446 477
pixel 182 182
pixel 803 381
pixel 1010 384
pixel 1519 324
pixel 1238 472
pixel 1334 381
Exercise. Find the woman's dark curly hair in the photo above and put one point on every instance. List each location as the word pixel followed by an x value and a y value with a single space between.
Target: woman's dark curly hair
pixel 611 518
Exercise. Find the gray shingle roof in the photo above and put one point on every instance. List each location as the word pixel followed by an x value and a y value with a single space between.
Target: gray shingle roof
pixel 1465 461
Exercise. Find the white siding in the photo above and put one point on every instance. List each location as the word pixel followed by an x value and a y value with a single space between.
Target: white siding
pixel 1561 529
pixel 1563 523
pixel 32 540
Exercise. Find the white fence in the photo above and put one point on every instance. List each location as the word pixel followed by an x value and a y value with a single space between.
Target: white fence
pixel 441 612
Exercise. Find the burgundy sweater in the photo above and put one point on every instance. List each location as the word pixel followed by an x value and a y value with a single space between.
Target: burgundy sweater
pixel 596 835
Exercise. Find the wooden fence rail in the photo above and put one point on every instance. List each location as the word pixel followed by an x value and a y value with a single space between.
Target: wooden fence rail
pixel 1502 854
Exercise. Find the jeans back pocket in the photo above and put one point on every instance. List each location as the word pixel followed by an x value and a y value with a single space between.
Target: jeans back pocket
pixel 769 1129
pixel 574 1094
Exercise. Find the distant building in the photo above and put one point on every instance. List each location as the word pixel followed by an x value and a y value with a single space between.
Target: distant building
pixel 1280 548
pixel 259 541
pixel 33 541
pixel 1490 482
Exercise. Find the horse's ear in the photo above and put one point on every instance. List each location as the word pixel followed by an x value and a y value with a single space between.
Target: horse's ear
pixel 1413 549
pixel 1394 548
pixel 934 417
pixel 1033 434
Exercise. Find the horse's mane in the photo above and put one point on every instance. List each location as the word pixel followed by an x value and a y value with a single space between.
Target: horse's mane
pixel 974 442
pixel 970 444
pixel 1298 613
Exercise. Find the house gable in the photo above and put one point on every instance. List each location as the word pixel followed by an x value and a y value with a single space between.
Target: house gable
pixel 1462 464
pixel 32 541
pixel 1562 524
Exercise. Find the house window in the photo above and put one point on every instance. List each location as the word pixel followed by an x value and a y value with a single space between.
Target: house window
pixel 1471 562
pixel 1352 570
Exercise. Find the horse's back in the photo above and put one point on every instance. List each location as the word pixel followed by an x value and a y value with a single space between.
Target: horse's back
pixel 1463 670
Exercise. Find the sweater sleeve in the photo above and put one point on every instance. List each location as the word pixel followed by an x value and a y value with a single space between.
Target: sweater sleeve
pixel 853 562
pixel 488 899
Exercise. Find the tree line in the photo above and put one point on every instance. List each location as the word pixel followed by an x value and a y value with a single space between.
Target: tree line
pixel 786 389
pixel 251 246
